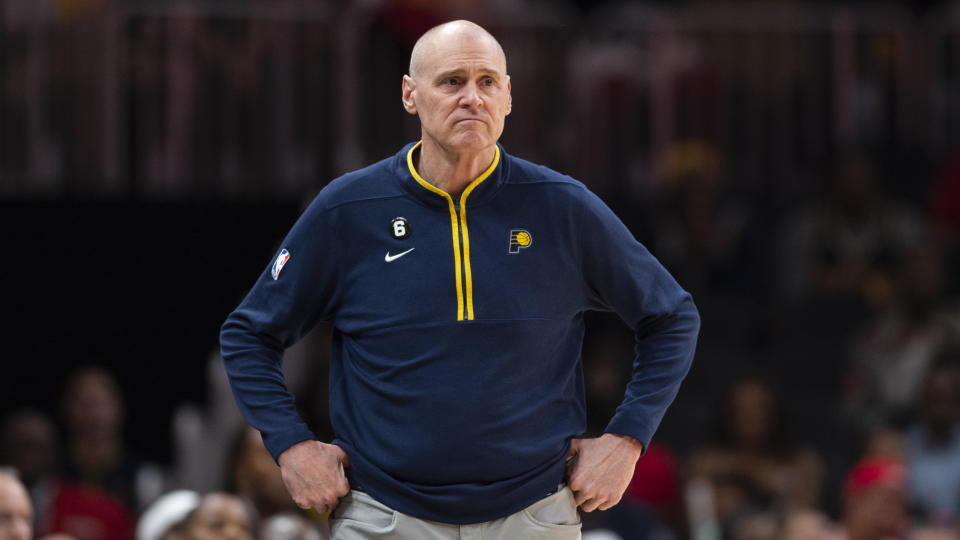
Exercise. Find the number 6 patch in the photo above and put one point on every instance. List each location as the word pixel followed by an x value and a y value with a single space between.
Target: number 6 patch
pixel 400 228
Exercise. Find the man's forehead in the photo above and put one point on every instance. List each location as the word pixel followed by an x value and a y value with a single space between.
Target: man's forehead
pixel 461 55
pixel 458 45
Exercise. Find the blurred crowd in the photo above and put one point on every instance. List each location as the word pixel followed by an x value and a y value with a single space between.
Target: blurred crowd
pixel 802 184
pixel 90 485
pixel 841 419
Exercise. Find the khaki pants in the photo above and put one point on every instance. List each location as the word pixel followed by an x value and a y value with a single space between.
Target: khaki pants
pixel 361 517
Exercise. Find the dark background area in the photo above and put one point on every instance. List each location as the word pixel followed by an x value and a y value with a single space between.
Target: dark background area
pixel 138 287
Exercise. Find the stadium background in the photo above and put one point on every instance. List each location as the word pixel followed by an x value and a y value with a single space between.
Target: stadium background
pixel 153 154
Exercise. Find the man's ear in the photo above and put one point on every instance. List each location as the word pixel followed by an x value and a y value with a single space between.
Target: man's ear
pixel 408 86
pixel 509 96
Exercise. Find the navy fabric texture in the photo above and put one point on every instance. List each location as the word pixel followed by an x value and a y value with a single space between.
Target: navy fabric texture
pixel 458 421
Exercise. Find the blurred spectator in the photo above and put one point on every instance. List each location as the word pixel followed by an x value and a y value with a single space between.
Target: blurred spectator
pixel 934 533
pixel 945 215
pixel 97 456
pixel 805 525
pixel 255 476
pixel 28 443
pixel 62 507
pixel 874 501
pixel 933 448
pixel 165 518
pixel 86 514
pixel 892 355
pixel 209 435
pixel 203 434
pixel 656 484
pixel 702 233
pixel 16 512
pixel 184 515
pixel 756 525
pixel 292 527
pixel 885 443
pixel 220 516
pixel 945 203
pixel 57 536
pixel 848 242
pixel 749 464
pixel 606 370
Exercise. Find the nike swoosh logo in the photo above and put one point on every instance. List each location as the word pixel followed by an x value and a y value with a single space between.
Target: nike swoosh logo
pixel 391 258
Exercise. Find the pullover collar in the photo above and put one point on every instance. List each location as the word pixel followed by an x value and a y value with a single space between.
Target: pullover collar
pixel 478 191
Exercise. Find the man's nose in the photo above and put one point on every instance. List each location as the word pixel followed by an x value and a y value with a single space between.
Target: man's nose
pixel 471 97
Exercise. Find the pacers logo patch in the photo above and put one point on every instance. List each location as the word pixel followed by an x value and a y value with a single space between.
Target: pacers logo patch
pixel 282 259
pixel 519 239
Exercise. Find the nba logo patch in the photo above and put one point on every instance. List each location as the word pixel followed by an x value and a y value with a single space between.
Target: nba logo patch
pixel 278 264
pixel 519 239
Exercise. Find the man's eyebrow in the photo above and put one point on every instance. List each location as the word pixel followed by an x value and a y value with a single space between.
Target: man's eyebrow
pixel 488 71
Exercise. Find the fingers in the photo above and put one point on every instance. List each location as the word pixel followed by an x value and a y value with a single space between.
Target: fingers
pixel 574 449
pixel 342 485
pixel 313 473
pixel 581 497
pixel 591 494
pixel 610 503
pixel 599 470
pixel 320 499
pixel 327 507
pixel 342 456
pixel 589 502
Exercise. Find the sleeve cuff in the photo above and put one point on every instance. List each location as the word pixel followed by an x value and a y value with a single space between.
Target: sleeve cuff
pixel 278 442
pixel 623 425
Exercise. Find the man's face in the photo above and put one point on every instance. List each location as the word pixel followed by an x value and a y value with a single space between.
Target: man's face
pixel 461 92
pixel 16 511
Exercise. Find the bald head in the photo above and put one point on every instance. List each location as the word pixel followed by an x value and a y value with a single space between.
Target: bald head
pixel 16 510
pixel 459 87
pixel 442 38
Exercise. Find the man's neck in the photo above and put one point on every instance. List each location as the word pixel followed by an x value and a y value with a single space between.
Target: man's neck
pixel 451 171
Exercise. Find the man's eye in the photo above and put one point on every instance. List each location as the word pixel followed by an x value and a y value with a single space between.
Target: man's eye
pixel 453 81
pixel 488 82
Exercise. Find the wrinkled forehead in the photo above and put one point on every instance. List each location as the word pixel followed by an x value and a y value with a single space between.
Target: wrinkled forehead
pixel 449 51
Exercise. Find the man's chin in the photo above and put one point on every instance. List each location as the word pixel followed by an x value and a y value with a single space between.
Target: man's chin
pixel 472 142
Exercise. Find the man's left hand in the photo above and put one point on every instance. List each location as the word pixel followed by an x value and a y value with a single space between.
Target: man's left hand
pixel 600 469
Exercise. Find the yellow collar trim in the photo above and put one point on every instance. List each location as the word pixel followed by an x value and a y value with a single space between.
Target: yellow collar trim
pixel 483 176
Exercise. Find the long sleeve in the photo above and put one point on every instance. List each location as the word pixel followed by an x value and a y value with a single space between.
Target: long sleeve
pixel 293 293
pixel 623 277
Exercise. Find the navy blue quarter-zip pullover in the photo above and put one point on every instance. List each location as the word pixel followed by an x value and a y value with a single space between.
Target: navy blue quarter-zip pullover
pixel 455 377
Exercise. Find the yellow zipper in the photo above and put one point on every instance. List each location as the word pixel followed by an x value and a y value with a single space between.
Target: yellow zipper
pixel 465 285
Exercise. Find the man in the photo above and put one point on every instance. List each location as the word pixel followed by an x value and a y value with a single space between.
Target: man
pixel 16 511
pixel 456 277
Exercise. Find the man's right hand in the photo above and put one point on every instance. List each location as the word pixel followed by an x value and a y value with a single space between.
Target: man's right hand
pixel 313 474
